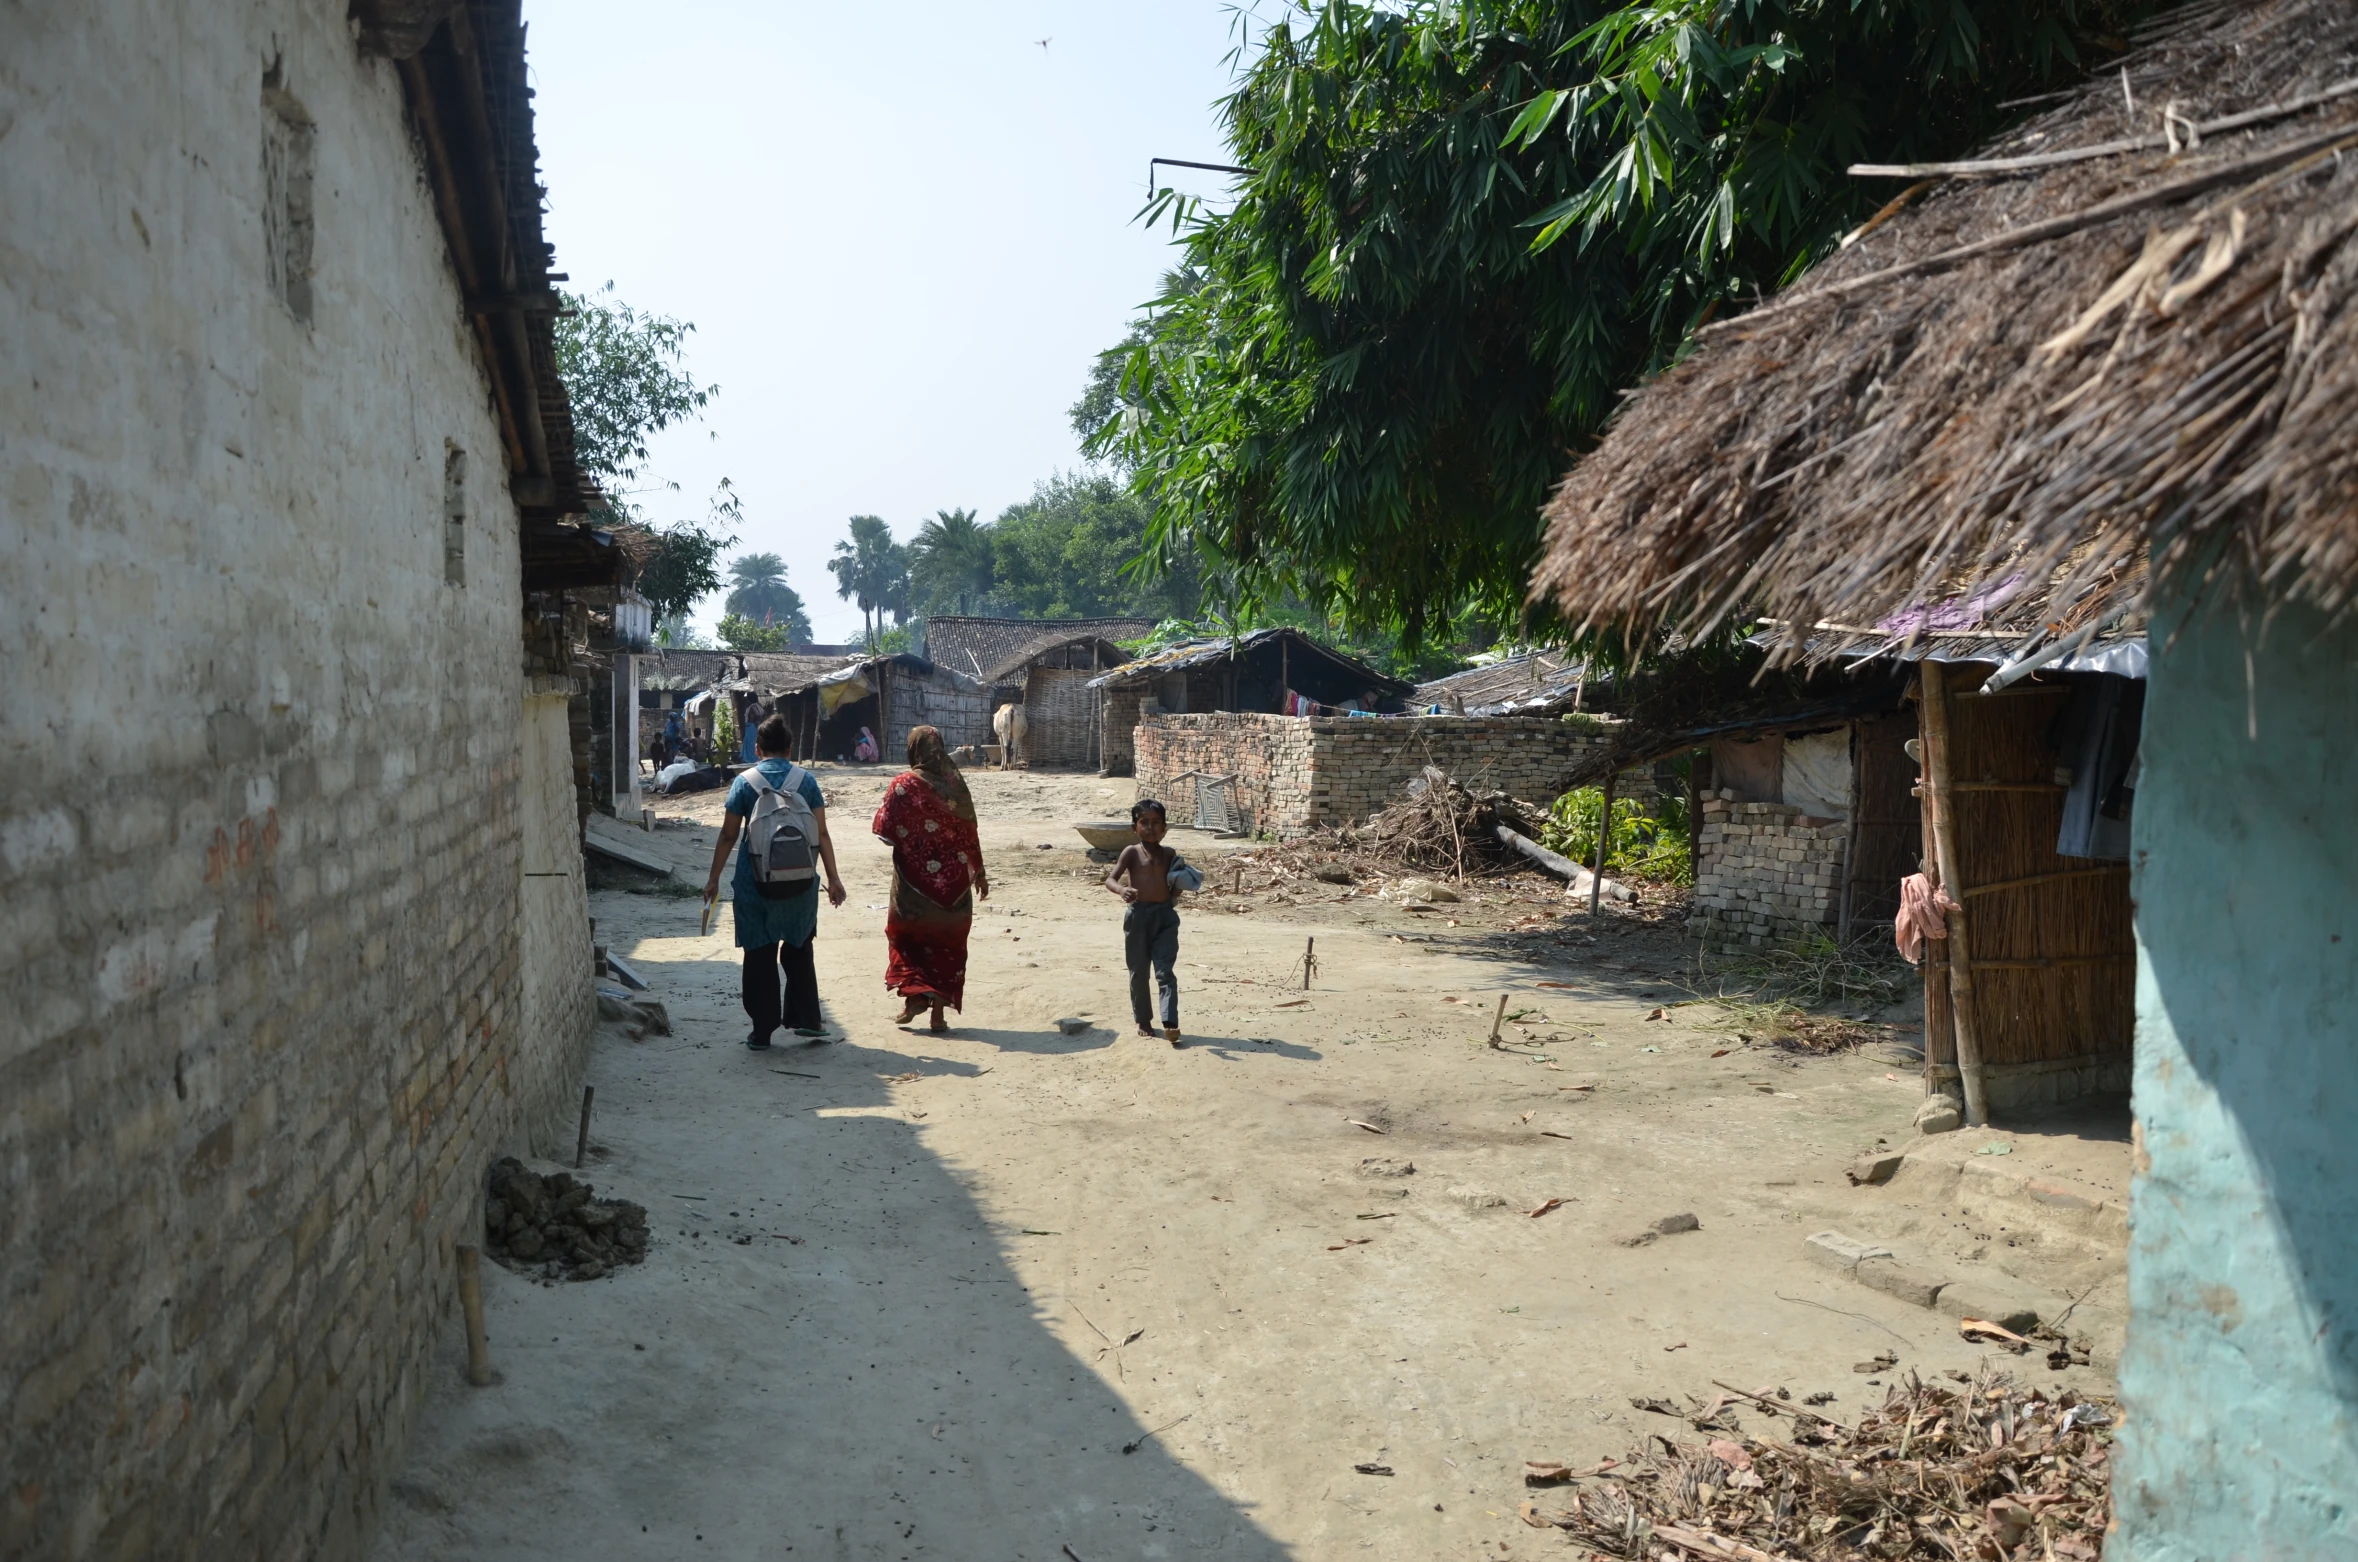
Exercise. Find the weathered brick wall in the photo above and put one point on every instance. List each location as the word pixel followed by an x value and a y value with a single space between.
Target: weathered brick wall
pixel 1298 772
pixel 1762 877
pixel 1117 719
pixel 1061 710
pixel 264 802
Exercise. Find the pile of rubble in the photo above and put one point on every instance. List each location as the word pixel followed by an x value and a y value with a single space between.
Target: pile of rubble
pixel 555 1227
pixel 1984 1469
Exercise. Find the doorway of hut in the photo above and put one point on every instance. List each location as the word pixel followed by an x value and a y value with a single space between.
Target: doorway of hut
pixel 2037 781
pixel 839 734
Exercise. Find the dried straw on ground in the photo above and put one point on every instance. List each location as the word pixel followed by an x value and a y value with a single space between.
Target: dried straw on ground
pixel 1439 828
pixel 1987 1469
pixel 2026 380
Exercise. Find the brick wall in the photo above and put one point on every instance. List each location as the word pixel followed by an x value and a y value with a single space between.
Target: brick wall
pixel 1117 731
pixel 1299 772
pixel 1763 876
pixel 267 787
pixel 1060 710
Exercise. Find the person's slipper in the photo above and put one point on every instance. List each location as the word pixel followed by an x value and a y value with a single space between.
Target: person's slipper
pixel 755 1043
pixel 940 1024
pixel 910 1009
pixel 815 1037
pixel 1171 1034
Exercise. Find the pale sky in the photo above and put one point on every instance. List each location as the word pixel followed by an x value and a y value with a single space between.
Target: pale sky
pixel 901 232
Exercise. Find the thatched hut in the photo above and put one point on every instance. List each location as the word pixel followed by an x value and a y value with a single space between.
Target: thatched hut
pixel 2104 373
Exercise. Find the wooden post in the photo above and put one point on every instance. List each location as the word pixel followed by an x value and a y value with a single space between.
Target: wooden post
pixel 1850 841
pixel 1944 852
pixel 1284 677
pixel 1498 1019
pixel 470 1287
pixel 1596 877
pixel 581 1145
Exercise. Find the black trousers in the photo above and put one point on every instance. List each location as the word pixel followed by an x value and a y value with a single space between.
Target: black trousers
pixel 764 966
pixel 1150 941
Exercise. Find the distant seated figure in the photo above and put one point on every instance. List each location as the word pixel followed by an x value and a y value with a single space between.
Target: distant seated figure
pixel 867 752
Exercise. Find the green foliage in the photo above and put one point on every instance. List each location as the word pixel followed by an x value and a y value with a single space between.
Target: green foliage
pixel 760 597
pixel 626 381
pixel 680 572
pixel 896 640
pixel 1079 548
pixel 1471 224
pixel 1647 846
pixel 871 569
pixel 740 633
pixel 677 634
pixel 724 729
pixel 951 564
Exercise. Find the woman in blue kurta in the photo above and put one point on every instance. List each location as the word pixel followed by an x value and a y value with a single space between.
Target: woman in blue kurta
pixel 775 934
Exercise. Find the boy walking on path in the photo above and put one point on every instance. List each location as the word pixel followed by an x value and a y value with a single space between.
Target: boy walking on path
pixel 1150 928
pixel 775 900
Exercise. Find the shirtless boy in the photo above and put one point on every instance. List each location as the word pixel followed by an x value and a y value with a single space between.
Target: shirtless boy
pixel 1150 928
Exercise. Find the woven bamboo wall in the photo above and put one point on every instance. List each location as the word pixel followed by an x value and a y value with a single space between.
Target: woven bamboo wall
pixel 2053 962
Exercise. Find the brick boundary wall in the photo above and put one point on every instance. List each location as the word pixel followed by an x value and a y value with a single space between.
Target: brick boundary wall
pixel 1763 877
pixel 1296 773
pixel 267 805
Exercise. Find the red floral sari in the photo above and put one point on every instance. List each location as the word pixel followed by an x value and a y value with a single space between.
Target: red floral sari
pixel 936 859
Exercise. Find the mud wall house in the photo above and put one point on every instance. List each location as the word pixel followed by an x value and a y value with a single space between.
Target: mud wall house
pixel 2113 381
pixel 1049 678
pixel 296 935
pixel 827 701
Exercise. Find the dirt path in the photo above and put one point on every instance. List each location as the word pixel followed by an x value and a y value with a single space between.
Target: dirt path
pixel 1086 1296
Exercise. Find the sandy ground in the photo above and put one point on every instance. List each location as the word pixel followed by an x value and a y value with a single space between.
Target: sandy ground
pixel 1011 1294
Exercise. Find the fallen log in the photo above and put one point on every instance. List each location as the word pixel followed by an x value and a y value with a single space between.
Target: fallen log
pixel 1563 867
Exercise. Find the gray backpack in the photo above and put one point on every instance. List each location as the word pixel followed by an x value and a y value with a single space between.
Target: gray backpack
pixel 781 837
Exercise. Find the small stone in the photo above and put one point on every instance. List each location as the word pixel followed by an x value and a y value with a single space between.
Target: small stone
pixel 525 1245
pixel 1478 1199
pixel 1940 1115
pixel 1386 1166
pixel 653 1015
pixel 1672 1225
pixel 1071 1026
pixel 1875 1168
pixel 1904 1281
pixel 1837 1251
pixel 1333 873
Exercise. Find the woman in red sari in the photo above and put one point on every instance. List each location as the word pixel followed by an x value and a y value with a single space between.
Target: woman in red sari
pixel 937 871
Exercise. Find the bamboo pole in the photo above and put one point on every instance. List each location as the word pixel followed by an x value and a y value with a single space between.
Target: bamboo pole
pixel 1944 851
pixel 1850 837
pixel 470 1286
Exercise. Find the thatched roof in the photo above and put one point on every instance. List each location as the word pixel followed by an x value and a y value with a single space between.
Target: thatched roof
pixel 1997 402
pixel 1532 683
pixel 992 648
pixel 1319 671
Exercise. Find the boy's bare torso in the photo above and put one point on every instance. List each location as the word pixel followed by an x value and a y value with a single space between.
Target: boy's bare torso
pixel 1148 869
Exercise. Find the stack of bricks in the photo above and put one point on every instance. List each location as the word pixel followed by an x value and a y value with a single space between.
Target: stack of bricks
pixel 1297 773
pixel 1765 874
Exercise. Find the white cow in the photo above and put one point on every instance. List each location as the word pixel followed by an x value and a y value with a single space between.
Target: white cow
pixel 1011 729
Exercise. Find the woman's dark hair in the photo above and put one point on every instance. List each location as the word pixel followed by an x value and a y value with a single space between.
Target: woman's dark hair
pixel 1146 805
pixel 774 737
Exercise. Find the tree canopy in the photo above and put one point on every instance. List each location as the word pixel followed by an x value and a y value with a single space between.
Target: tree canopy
pixel 950 564
pixel 760 597
pixel 872 570
pixel 1079 547
pixel 1471 223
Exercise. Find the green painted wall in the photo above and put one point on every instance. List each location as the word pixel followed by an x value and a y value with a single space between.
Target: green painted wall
pixel 2241 1371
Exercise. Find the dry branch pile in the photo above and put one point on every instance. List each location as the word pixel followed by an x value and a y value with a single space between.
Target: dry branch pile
pixel 1986 1470
pixel 1439 828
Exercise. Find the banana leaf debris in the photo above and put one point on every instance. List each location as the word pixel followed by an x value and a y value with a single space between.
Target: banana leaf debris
pixel 1984 1469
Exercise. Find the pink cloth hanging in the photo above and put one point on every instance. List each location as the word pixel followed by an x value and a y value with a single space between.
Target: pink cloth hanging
pixel 1920 916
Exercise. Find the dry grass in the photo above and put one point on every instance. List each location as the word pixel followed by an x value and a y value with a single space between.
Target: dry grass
pixel 1985 1468
pixel 2030 421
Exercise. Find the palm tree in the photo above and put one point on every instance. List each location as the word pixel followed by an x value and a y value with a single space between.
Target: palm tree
pixel 950 561
pixel 872 570
pixel 761 595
